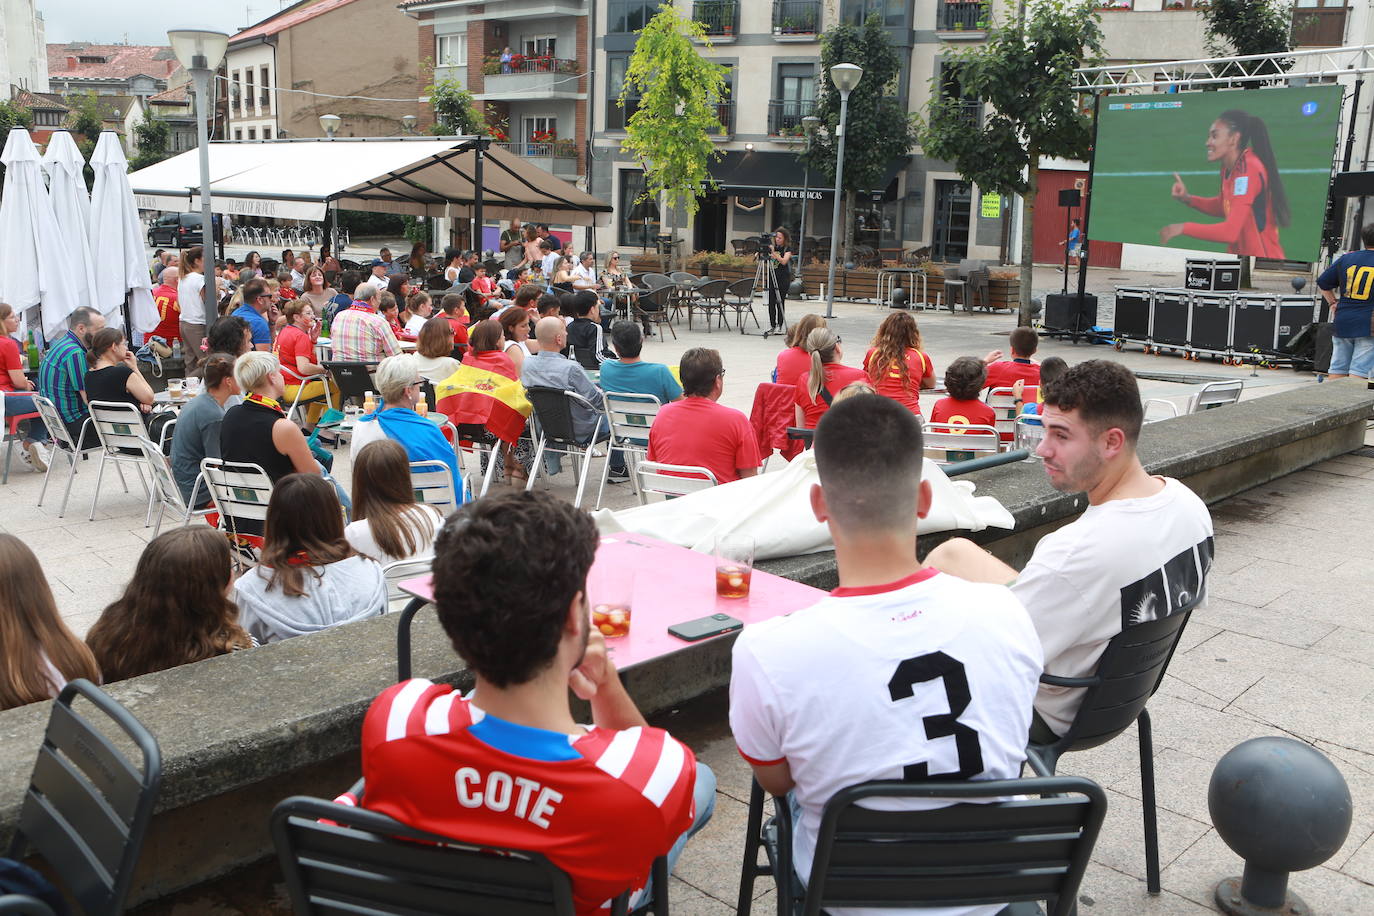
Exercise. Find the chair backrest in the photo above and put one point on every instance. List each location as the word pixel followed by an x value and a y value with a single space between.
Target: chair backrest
pixel 1023 840
pixel 354 380
pixel 117 424
pixel 631 417
pixel 673 479
pixel 712 289
pixel 88 805
pixel 1128 673
pixel 1003 403
pixel 1165 410
pixel 1029 434
pixel 945 442
pixel 57 429
pixel 953 274
pixel 337 858
pixel 401 570
pixel 682 276
pixel 553 408
pixel 743 289
pixel 656 297
pixel 1216 394
pixel 240 493
pixel 657 281
pixel 432 482
pixel 168 493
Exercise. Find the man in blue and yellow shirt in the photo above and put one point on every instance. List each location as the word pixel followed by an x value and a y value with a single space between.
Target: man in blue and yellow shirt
pixel 1352 316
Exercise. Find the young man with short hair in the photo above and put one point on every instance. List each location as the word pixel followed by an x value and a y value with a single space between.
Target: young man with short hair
pixel 168 311
pixel 697 430
pixel 1003 372
pixel 631 375
pixel 257 303
pixel 197 431
pixel 508 765
pixel 1140 551
pixel 191 299
pixel 900 673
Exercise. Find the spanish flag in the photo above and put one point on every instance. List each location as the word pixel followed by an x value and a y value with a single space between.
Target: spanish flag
pixel 473 395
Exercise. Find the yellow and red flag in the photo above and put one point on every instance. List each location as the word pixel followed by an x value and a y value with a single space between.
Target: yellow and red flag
pixel 480 396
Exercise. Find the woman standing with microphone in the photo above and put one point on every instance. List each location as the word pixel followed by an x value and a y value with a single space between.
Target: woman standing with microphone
pixel 781 262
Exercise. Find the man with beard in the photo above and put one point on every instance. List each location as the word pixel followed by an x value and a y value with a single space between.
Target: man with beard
pixel 1139 552
pixel 62 374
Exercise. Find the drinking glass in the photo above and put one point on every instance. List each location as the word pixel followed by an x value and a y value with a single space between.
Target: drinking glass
pixel 734 565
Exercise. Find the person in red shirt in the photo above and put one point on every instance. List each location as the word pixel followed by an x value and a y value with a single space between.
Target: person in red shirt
pixel 295 350
pixel 964 379
pixel 697 430
pixel 455 310
pixel 168 310
pixel 508 765
pixel 817 386
pixel 1003 372
pixel 794 360
pixel 1252 202
pixel 15 399
pixel 896 364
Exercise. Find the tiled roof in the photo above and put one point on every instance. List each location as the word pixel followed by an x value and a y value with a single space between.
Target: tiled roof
pixel 49 101
pixel 120 61
pixel 291 16
pixel 177 95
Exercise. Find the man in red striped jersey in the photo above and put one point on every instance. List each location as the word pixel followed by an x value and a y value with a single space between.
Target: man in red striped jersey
pixel 507 764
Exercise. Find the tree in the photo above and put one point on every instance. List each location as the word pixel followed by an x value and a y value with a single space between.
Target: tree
pixel 455 113
pixel 153 137
pixel 1241 27
pixel 877 130
pixel 1024 74
pixel 86 122
pixel 678 91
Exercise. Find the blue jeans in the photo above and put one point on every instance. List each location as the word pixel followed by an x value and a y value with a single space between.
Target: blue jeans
pixel 1352 356
pixel 339 491
pixel 19 404
pixel 704 796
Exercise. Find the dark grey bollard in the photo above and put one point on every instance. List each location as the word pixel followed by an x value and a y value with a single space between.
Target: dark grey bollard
pixel 1298 283
pixel 794 289
pixel 1282 807
pixel 899 298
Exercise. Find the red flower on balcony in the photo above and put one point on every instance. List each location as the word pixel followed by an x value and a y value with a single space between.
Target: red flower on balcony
pixel 544 136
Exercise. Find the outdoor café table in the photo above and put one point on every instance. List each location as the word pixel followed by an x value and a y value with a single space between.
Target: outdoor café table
pixel 681 587
pixel 620 298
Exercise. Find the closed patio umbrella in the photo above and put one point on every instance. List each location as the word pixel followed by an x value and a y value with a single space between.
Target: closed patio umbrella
pixel 121 265
pixel 34 270
pixel 71 204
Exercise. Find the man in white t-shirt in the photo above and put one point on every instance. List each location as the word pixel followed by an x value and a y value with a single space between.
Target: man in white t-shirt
pixel 191 298
pixel 1140 551
pixel 901 672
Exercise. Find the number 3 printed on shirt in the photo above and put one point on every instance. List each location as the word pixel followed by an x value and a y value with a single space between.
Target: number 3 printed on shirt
pixel 929 667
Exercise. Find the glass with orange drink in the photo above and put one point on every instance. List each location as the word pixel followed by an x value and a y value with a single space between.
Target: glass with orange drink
pixel 734 565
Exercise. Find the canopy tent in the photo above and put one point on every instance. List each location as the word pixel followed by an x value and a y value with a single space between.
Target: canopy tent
pixel 421 176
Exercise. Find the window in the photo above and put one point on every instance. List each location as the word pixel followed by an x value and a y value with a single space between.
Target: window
pixel 540 130
pixel 629 15
pixel 247 89
pixel 238 133
pixel 47 118
pixel 92 60
pixel 639 219
pixel 252 133
pixel 451 50
pixel 267 133
pixel 266 99
pixel 796 99
pixel 970 106
pixel 890 12
pixel 617 117
pixel 236 92
pixel 725 108
pixel 541 46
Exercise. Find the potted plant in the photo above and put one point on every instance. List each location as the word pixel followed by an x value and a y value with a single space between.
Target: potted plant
pixel 807 23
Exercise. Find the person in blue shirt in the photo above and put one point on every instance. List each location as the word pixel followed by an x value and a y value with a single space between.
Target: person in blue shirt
pixel 257 302
pixel 631 375
pixel 1352 315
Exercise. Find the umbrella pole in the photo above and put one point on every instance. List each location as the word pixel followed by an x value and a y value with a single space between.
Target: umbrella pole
pixel 477 197
pixel 128 323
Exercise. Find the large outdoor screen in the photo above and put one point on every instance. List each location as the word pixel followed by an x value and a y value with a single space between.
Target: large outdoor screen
pixel 1244 172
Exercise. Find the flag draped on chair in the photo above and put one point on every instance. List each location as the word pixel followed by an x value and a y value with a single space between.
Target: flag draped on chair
pixel 480 396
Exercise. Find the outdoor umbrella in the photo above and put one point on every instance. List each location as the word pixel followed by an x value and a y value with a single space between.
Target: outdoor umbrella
pixel 71 204
pixel 121 265
pixel 34 269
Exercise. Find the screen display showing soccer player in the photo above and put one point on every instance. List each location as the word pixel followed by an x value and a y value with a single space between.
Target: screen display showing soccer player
pixel 1239 172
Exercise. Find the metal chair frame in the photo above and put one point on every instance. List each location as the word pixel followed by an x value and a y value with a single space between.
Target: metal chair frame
pixel 438 490
pixel 742 300
pixel 1216 394
pixel 954 437
pixel 659 314
pixel 1003 402
pixel 240 492
pixel 710 298
pixel 64 445
pixel 555 434
pixel 671 479
pixel 166 493
pixel 117 433
pixel 327 397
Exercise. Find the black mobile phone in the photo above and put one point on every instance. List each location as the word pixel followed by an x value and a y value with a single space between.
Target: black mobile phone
pixel 705 627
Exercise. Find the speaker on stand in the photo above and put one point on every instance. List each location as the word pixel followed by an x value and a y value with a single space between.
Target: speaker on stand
pixel 1068 199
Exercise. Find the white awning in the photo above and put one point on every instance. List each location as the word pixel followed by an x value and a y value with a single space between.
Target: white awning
pixel 298 179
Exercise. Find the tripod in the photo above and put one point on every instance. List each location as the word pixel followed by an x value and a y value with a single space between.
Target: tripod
pixel 766 279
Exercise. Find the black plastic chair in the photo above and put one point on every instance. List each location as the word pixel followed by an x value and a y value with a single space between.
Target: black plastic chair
pixel 741 299
pixel 710 299
pixel 557 434
pixel 1013 850
pixel 338 858
pixel 652 307
pixel 1129 672
pixel 354 380
pixel 88 806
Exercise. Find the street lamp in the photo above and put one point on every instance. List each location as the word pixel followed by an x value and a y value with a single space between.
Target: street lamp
pixel 330 124
pixel 201 53
pixel 408 123
pixel 845 77
pixel 809 125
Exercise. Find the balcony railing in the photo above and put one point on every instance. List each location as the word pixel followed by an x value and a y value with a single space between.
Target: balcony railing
pixel 725 112
pixel 617 117
pixel 785 116
pixel 547 149
pixel 1319 27
pixel 720 17
pixel 968 111
pixel 492 65
pixel 961 16
pixel 796 17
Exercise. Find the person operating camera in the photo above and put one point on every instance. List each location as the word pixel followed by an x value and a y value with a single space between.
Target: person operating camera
pixel 780 259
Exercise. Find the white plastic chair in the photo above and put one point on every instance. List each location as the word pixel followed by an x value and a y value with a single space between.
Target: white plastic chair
pixel 432 482
pixel 400 571
pixel 1215 394
pixel 64 445
pixel 671 480
pixel 240 493
pixel 1003 403
pixel 166 493
pixel 119 426
pixel 629 417
pixel 946 443
pixel 1168 408
pixel 306 380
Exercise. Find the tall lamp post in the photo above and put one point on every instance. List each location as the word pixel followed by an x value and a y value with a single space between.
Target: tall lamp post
pixel 845 77
pixel 329 123
pixel 809 125
pixel 201 53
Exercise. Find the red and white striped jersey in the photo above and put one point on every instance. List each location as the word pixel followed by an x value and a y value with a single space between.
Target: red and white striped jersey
pixel 601 805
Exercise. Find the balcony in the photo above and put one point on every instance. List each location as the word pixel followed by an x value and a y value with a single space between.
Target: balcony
pixel 968 111
pixel 1319 27
pixel 785 116
pixel 796 20
pixel 955 19
pixel 558 157
pixel 719 17
pixel 528 77
pixel 725 112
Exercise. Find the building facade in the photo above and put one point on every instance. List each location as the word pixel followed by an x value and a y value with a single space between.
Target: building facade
pixel 141 71
pixel 23 48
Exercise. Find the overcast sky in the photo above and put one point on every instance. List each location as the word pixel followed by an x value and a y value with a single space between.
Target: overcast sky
pixel 145 22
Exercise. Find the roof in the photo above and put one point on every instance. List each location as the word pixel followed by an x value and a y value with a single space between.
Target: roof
pixel 49 101
pixel 120 61
pixel 177 95
pixel 291 16
pixel 116 106
pixel 425 176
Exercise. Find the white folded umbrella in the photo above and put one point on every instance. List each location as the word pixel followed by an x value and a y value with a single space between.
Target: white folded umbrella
pixel 120 262
pixel 34 270
pixel 71 204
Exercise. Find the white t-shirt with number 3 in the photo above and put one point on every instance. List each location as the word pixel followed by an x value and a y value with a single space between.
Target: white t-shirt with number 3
pixel 927 676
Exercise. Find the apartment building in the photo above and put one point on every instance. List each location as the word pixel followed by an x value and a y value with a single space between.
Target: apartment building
pixel 23 48
pixel 115 70
pixel 525 63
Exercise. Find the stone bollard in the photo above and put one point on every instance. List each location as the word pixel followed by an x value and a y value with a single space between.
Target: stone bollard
pixel 1282 807
pixel 899 298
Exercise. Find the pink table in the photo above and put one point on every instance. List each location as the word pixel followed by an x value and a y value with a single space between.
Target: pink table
pixel 674 585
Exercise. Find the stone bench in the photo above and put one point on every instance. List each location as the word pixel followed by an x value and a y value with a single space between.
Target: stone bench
pixel 240 732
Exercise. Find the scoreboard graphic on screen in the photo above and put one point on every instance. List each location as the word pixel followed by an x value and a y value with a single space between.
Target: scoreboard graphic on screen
pixel 1244 172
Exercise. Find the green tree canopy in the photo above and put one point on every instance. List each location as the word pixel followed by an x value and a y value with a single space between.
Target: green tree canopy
pixel 154 137
pixel 1241 27
pixel 455 112
pixel 1024 76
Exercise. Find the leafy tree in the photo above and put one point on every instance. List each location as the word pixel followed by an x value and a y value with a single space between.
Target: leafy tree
pixel 153 136
pixel 1241 27
pixel 455 112
pixel 878 129
pixel 1024 75
pixel 11 115
pixel 678 91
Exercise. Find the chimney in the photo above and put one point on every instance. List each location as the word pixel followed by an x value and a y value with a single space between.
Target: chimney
pixel 71 63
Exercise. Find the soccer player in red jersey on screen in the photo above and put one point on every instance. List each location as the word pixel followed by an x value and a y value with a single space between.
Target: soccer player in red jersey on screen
pixel 507 765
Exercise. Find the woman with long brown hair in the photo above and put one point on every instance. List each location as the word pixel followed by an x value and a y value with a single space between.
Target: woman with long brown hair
pixel 317 290
pixel 175 610
pixel 896 362
pixel 388 524
pixel 515 326
pixel 309 578
pixel 38 653
pixel 434 350
pixel 816 389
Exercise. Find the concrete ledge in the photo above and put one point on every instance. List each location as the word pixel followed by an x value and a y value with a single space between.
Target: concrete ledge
pixel 240 732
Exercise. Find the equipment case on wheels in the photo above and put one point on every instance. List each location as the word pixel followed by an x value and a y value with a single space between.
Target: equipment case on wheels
pixel 1171 313
pixel 1211 323
pixel 1210 274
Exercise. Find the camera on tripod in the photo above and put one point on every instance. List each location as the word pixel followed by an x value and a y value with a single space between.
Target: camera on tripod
pixel 765 245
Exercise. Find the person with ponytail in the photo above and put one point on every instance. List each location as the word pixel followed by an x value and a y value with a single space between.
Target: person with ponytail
pixel 817 387
pixel 1252 202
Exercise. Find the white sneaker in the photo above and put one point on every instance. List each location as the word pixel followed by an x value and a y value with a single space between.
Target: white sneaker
pixel 37 456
